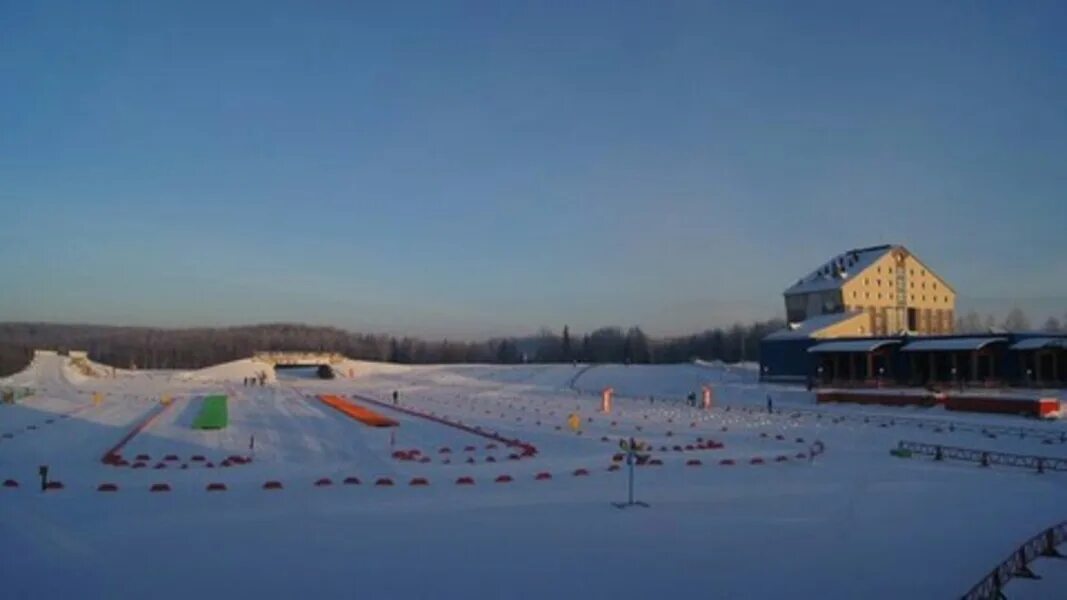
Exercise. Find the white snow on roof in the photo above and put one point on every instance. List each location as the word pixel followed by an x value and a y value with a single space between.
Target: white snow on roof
pixel 1039 343
pixel 952 344
pixel 836 271
pixel 851 346
pixel 809 327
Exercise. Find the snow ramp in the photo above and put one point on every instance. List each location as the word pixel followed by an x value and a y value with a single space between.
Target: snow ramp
pixel 359 413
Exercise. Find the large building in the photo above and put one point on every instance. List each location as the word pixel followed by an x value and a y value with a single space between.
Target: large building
pixel 876 291
pixel 879 316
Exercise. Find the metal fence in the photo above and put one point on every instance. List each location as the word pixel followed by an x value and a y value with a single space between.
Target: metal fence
pixel 985 458
pixel 1018 563
pixel 1050 434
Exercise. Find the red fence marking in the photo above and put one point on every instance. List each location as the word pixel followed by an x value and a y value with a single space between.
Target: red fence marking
pixel 527 448
pixel 112 455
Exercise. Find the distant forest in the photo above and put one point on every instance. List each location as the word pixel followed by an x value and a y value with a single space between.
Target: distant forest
pixel 149 348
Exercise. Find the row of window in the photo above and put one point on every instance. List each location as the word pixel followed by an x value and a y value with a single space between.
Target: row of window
pixel 893 296
pixel 927 320
pixel 878 283
pixel 922 272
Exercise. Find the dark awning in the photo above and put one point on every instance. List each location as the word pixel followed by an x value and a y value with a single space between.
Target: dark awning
pixel 962 344
pixel 851 346
pixel 1039 343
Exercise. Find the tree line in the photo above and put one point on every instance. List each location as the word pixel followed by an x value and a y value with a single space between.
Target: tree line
pixel 194 348
pixel 1016 320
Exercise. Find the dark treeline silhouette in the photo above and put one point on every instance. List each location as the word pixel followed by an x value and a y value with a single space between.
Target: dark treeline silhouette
pixel 150 348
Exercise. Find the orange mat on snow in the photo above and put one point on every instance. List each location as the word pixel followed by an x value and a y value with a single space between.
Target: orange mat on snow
pixel 363 415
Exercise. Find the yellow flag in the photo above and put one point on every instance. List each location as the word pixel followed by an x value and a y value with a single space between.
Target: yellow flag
pixel 574 422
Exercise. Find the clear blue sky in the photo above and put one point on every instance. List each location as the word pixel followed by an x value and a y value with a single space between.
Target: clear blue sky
pixel 467 169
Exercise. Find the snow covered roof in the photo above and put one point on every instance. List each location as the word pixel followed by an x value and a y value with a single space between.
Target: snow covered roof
pixel 1038 343
pixel 839 269
pixel 952 344
pixel 809 327
pixel 851 346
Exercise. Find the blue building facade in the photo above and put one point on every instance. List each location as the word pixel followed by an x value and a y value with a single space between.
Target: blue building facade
pixel 994 359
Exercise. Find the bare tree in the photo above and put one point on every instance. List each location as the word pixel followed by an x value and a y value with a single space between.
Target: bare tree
pixel 1016 320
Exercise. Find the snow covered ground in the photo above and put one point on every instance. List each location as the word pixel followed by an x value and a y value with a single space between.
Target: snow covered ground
pixel 854 523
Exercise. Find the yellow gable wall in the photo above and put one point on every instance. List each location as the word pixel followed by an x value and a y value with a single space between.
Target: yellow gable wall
pixel 874 291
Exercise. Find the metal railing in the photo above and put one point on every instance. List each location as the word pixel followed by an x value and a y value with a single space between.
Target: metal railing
pixel 1018 563
pixel 985 458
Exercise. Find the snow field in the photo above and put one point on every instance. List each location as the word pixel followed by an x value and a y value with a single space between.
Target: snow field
pixel 856 522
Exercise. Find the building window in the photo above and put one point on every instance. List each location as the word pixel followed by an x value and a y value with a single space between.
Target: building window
pixel 879 295
pixel 879 282
pixel 854 294
pixel 866 281
pixel 867 294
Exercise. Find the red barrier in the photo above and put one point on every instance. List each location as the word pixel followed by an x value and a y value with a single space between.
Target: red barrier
pixel 363 415
pixel 618 457
pixel 144 457
pixel 756 461
pixel 384 482
pixel 352 481
pixel 323 482
pixel 160 466
pixel 272 485
pixel 419 481
pixel 445 450
pixel 527 448
pixel 543 476
pixel 197 458
pixel 216 487
pixel 727 462
pixel 581 473
pixel 655 462
pixel 54 485
pixel 171 458
pixel 801 456
pixel 152 415
pixel 209 465
pixel 504 479
pixel 138 465
pixel 159 487
pixel 465 481
pixel 10 483
pixel 470 449
pixel 614 468
pixel 107 487
pixel 693 462
pixel 781 459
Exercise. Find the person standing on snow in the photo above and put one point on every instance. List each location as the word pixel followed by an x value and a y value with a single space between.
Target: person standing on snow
pixel 770 404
